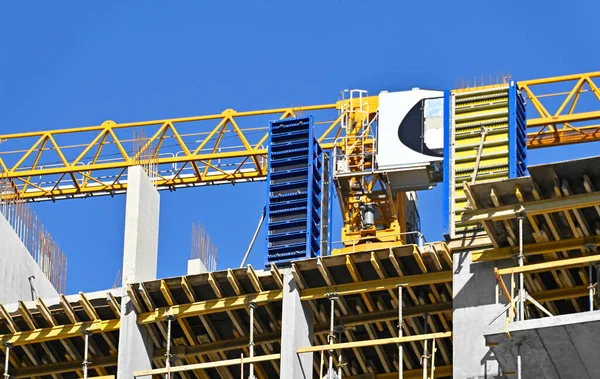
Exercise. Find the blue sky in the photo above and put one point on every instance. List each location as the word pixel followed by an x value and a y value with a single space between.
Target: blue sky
pixel 67 64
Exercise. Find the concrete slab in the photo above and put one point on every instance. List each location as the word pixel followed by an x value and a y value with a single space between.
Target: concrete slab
pixel 560 347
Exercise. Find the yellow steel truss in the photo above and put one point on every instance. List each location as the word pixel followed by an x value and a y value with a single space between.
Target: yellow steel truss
pixel 567 107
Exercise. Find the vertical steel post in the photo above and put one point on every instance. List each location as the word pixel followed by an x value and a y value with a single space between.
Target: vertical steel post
pixel 242 365
pixel 252 306
pixel 332 299
pixel 425 351
pixel 519 361
pixel 400 325
pixel 6 361
pixel 598 283
pixel 340 359
pixel 521 276
pixel 591 287
pixel 170 319
pixel 86 348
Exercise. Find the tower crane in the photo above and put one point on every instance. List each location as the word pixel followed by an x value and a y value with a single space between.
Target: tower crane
pixel 232 147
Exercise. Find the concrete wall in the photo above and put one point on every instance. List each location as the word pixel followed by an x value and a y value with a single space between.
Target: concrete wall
pixel 16 266
pixel 296 331
pixel 474 308
pixel 140 261
pixel 140 251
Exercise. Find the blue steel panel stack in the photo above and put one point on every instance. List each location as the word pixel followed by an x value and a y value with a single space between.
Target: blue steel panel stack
pixel 517 125
pixel 294 186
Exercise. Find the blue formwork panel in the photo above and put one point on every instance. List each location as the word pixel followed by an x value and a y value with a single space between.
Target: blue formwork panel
pixel 294 186
pixel 517 132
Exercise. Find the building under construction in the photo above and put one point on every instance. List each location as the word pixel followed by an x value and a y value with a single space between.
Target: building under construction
pixel 509 291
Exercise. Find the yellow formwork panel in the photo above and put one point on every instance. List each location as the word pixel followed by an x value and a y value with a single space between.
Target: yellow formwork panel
pixel 484 164
pixel 474 139
pixel 472 111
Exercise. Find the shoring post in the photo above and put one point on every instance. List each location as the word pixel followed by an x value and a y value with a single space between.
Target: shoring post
pixel 242 365
pixel 251 306
pixel 521 275
pixel 170 318
pixel 433 349
pixel 333 297
pixel 85 364
pixel 340 329
pixel 519 361
pixel 400 325
pixel 598 283
pixel 7 346
pixel 591 287
pixel 322 364
pixel 425 350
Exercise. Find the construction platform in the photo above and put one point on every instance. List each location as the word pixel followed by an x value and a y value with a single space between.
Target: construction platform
pixel 451 294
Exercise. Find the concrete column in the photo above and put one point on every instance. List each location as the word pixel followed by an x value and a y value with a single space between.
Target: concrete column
pixel 195 267
pixel 474 308
pixel 296 331
pixel 140 255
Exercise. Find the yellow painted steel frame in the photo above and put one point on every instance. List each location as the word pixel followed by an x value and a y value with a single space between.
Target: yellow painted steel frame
pixel 97 165
pixel 101 149
pixel 575 120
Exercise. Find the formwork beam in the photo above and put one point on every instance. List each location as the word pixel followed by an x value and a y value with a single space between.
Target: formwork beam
pixel 535 248
pixel 377 342
pixel 563 263
pixel 60 332
pixel 534 208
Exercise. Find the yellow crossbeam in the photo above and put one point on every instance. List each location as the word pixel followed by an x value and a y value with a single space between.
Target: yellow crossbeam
pixel 200 366
pixel 534 248
pixel 59 332
pixel 378 342
pixel 534 208
pixel 562 263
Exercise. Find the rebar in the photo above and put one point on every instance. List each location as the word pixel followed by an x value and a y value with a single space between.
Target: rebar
pixel 203 247
pixel 144 154
pixel 30 230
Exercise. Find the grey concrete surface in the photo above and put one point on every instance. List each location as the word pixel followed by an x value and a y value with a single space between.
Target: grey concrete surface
pixel 195 267
pixel 296 331
pixel 140 257
pixel 16 266
pixel 561 347
pixel 140 250
pixel 474 307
